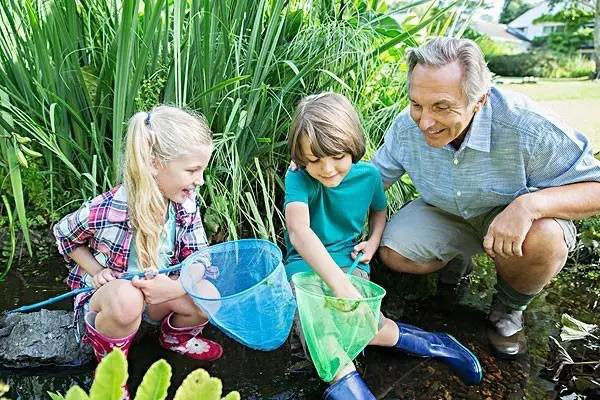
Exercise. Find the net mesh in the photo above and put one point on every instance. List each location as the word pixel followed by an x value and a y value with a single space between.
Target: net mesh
pixel 336 330
pixel 250 298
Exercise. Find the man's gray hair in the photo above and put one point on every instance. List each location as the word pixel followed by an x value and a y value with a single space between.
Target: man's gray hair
pixel 477 78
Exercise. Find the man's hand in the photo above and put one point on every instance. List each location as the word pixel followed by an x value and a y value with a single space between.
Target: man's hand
pixel 159 289
pixel 507 232
pixel 103 277
pixel 368 248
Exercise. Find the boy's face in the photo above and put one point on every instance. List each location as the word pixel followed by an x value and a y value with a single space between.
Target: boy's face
pixel 178 178
pixel 329 171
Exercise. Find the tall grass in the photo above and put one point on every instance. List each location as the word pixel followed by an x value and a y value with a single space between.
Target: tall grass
pixel 71 74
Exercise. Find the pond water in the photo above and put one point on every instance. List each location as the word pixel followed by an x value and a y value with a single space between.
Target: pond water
pixel 284 374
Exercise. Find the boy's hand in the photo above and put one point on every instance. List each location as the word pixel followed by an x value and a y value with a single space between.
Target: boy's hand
pixel 368 249
pixel 103 277
pixel 347 291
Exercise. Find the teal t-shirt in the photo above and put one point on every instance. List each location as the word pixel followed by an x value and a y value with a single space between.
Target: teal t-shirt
pixel 337 215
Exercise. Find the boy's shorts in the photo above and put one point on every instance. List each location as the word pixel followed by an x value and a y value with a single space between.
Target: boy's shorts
pixel 298 326
pixel 422 233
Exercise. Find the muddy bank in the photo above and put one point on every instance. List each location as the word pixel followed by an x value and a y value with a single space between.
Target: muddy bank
pixel 283 374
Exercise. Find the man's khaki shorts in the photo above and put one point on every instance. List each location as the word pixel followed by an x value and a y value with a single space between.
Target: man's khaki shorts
pixel 422 233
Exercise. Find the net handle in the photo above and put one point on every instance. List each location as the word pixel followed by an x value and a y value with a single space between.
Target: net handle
pixel 359 257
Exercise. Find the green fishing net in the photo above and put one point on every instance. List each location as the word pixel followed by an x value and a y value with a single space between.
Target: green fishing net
pixel 336 330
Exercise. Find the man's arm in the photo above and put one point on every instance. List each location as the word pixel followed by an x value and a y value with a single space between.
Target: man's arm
pixel 574 201
pixel 312 250
pixel 508 230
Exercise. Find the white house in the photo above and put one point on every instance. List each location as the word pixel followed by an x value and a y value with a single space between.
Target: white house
pixel 499 33
pixel 526 28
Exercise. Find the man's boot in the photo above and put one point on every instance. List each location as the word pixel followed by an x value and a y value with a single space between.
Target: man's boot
pixel 443 347
pixel 455 271
pixel 505 332
pixel 349 387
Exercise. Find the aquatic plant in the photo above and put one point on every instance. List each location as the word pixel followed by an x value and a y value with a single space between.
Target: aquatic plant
pixel 111 376
pixel 3 389
pixel 71 74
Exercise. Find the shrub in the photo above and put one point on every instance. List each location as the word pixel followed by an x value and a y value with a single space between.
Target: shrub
pixel 541 64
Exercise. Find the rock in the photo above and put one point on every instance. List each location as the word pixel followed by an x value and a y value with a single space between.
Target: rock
pixel 41 338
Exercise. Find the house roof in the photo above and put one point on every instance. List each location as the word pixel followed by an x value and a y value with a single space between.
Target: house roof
pixel 495 31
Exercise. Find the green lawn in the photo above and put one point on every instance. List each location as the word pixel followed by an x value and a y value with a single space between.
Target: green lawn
pixel 577 102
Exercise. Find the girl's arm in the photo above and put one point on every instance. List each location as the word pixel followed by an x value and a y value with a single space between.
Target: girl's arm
pixel 377 221
pixel 72 234
pixel 310 248
pixel 86 261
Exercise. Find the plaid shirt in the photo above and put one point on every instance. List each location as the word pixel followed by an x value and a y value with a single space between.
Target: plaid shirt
pixel 103 225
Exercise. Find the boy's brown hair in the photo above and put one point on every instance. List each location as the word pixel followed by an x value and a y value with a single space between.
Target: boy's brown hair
pixel 330 124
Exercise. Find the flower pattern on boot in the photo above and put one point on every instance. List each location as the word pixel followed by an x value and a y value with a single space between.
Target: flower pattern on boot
pixel 188 341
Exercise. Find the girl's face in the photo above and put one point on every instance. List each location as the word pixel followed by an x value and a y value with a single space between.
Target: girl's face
pixel 329 171
pixel 177 179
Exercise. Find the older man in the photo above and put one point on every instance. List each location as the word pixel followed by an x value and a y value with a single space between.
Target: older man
pixel 493 174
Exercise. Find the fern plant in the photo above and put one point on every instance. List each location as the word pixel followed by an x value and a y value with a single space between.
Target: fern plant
pixel 111 376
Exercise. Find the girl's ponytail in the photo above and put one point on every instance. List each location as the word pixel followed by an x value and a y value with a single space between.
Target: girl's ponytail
pixel 153 139
pixel 146 204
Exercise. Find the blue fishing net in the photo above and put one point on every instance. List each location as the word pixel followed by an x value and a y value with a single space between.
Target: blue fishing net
pixel 249 298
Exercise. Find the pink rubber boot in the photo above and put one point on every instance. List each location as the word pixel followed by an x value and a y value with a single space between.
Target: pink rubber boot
pixel 188 341
pixel 102 344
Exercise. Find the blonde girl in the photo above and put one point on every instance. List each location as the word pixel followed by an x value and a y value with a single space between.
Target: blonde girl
pixel 148 222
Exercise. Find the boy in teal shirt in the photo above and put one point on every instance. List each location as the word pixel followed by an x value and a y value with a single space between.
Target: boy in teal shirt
pixel 327 201
pixel 337 214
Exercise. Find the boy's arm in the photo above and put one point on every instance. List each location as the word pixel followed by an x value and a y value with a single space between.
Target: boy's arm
pixel 377 220
pixel 310 248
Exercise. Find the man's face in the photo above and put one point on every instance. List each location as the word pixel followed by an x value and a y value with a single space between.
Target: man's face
pixel 438 105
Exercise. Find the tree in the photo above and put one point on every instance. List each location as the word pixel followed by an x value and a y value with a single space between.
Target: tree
pixel 593 7
pixel 513 9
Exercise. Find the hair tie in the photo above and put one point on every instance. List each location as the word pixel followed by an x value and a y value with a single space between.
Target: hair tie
pixel 147 120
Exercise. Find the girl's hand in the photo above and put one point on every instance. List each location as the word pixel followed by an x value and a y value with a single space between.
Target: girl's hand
pixel 159 289
pixel 368 249
pixel 103 277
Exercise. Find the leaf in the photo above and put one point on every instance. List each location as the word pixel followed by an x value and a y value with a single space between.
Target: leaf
pixel 76 393
pixel 232 396
pixel 4 388
pixel 55 396
pixel 29 152
pixel 20 157
pixel 111 375
pixel 155 382
pixel 574 329
pixel 199 385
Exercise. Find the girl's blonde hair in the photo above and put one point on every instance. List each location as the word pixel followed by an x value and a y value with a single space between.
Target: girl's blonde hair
pixel 330 124
pixel 153 139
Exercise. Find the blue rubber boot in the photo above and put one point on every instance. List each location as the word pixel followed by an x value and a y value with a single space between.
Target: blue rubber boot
pixel 349 387
pixel 443 347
